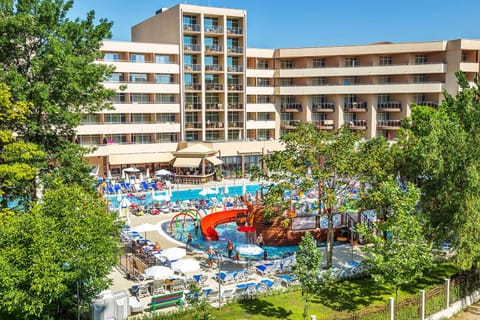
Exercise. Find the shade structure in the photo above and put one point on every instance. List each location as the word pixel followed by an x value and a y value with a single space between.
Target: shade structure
pixel 131 169
pixel 249 250
pixel 162 172
pixel 145 227
pixel 185 265
pixel 187 162
pixel 215 161
pixel 246 229
pixel 173 253
pixel 159 272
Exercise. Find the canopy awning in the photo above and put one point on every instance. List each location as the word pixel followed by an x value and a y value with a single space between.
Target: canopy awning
pixel 136 158
pixel 215 161
pixel 187 162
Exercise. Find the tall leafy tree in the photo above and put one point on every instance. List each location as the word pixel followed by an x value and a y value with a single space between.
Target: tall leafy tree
pixel 315 159
pixel 307 268
pixel 69 227
pixel 440 149
pixel 405 253
pixel 48 61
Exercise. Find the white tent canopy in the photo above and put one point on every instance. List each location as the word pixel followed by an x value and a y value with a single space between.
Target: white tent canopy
pixel 173 253
pixel 159 272
pixel 185 265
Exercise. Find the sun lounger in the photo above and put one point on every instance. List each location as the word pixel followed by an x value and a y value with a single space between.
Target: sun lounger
pixel 135 305
pixel 265 269
pixel 154 186
pixel 288 280
pixel 145 186
pixel 226 277
pixel 227 294
pixel 201 279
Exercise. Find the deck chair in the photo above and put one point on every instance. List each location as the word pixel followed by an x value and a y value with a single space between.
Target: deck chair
pixel 145 186
pixel 226 277
pixel 288 280
pixel 241 275
pixel 154 186
pixel 265 269
pixel 227 294
pixel 201 279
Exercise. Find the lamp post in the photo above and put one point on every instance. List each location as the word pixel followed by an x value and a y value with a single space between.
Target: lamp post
pixel 352 238
pixel 219 260
pixel 67 267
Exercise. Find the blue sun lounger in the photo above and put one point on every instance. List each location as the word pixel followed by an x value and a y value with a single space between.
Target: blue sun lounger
pixel 145 186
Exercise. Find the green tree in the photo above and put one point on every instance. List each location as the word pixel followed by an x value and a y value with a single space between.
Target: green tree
pixel 307 268
pixel 48 61
pixel 404 254
pixel 69 226
pixel 315 159
pixel 440 149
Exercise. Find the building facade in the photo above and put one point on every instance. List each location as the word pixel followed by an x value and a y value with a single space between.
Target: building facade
pixel 188 76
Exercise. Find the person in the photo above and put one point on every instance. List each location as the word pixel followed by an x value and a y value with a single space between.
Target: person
pixel 237 257
pixel 265 254
pixel 189 241
pixel 260 240
pixel 195 226
pixel 230 248
pixel 156 247
pixel 210 256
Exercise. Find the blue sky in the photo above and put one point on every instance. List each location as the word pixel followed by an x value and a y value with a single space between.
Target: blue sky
pixel 310 23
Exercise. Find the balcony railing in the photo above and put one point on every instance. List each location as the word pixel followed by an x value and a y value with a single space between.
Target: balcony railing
pixel 193 125
pixel 433 104
pixel 235 124
pixel 289 124
pixel 356 106
pixel 294 106
pixel 213 29
pixel 357 124
pixel 214 86
pixel 238 106
pixel 390 105
pixel 214 125
pixel 193 86
pixel 192 47
pixel 235 49
pixel 385 124
pixel 214 48
pixel 324 124
pixel 192 27
pixel 235 87
pixel 193 107
pixel 235 30
pixel 192 67
pixel 235 68
pixel 323 107
pixel 214 106
pixel 213 67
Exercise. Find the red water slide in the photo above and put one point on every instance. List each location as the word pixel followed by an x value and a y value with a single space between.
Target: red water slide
pixel 210 221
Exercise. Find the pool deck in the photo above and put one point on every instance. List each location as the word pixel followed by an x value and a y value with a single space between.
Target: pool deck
pixel 341 254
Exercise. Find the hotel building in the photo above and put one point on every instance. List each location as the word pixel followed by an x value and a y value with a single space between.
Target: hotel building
pixel 188 77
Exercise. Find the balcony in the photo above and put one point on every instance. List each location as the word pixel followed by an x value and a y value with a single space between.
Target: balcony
pixel 324 124
pixel 193 86
pixel 432 104
pixel 193 126
pixel 235 124
pixel 235 87
pixel 356 107
pixel 193 107
pixel 235 68
pixel 213 29
pixel 212 125
pixel 192 47
pixel 191 27
pixel 213 67
pixel 192 67
pixel 238 50
pixel 323 107
pixel 290 124
pixel 235 30
pixel 214 86
pixel 291 107
pixel 214 107
pixel 357 124
pixel 392 106
pixel 235 107
pixel 388 124
pixel 214 48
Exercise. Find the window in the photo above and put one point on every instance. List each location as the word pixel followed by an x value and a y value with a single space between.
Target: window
pixel 212 98
pixel 137 58
pixel 162 98
pixel 165 117
pixel 91 118
pixel 382 116
pixel 139 98
pixel 319 116
pixel 288 82
pixel 212 117
pixel 115 77
pixel 233 79
pixel 262 64
pixel 163 78
pixel 319 81
pixel 189 20
pixel 384 79
pixel 263 116
pixel 162 59
pixel 318 63
pixel 141 138
pixel 232 23
pixel 263 99
pixel 233 98
pixel 319 99
pixel 138 77
pixel 141 118
pixel 351 62
pixel 89 140
pixel 111 56
pixel 114 118
pixel 286 64
pixel 349 99
pixel 192 98
pixel 420 78
pixel 349 81
pixel 385 60
pixel 263 82
pixel 232 61
pixel 420 59
pixel 118 98
pixel 167 137
pixel 210 24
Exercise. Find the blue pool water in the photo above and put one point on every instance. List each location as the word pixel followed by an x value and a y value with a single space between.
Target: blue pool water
pixel 185 194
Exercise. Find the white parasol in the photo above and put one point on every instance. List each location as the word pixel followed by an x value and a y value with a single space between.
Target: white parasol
pixel 225 188
pixel 173 253
pixel 244 187
pixel 249 250
pixel 159 272
pixel 162 172
pixel 185 265
pixel 131 169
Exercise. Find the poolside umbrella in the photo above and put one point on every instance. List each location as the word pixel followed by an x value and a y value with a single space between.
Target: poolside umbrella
pixel 244 187
pixel 185 265
pixel 225 188
pixel 148 173
pixel 145 227
pixel 173 253
pixel 249 250
pixel 159 273
pixel 131 169
pixel 162 172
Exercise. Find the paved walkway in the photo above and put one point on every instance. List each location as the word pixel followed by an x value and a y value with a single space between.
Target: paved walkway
pixel 472 313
